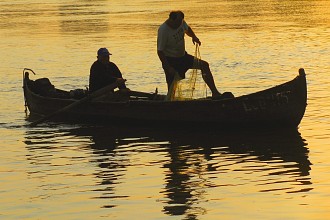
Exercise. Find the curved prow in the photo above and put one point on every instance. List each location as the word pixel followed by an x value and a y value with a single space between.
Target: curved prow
pixel 302 72
pixel 302 93
pixel 26 74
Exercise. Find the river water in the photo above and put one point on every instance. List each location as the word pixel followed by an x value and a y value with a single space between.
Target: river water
pixel 76 171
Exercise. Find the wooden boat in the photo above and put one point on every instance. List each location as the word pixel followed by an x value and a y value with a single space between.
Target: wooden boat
pixel 281 106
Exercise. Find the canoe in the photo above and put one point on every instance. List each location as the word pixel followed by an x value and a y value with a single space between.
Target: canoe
pixel 282 106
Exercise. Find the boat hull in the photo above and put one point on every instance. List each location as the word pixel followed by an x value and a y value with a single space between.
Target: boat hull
pixel 280 106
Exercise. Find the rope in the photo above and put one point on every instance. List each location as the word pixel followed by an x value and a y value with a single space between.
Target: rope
pixel 191 87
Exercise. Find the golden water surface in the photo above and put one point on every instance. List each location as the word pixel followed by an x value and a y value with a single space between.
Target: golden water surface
pixel 65 171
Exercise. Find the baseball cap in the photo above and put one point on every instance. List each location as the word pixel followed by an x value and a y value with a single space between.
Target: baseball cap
pixel 103 51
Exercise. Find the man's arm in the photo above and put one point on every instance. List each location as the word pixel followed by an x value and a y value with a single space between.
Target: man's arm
pixel 191 34
pixel 117 76
pixel 94 82
pixel 167 67
pixel 163 59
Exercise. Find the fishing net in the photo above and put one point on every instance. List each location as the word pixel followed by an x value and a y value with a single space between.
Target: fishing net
pixel 192 87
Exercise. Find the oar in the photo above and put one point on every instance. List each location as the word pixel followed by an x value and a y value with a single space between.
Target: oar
pixel 81 101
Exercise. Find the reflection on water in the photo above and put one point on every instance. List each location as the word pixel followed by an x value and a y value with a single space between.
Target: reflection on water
pixel 192 162
pixel 70 172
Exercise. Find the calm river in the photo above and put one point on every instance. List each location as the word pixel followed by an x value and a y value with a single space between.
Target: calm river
pixel 76 171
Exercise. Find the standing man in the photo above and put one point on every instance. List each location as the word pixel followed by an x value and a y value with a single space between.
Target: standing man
pixel 171 51
pixel 103 72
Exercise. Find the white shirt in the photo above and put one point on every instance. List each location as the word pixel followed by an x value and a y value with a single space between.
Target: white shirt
pixel 171 41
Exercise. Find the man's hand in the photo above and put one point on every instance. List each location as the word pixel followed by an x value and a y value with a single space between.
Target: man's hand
pixel 124 90
pixel 120 80
pixel 196 40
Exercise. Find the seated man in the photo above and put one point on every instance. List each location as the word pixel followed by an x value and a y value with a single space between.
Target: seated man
pixel 103 72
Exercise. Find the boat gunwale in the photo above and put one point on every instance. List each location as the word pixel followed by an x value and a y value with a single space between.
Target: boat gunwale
pixel 201 100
